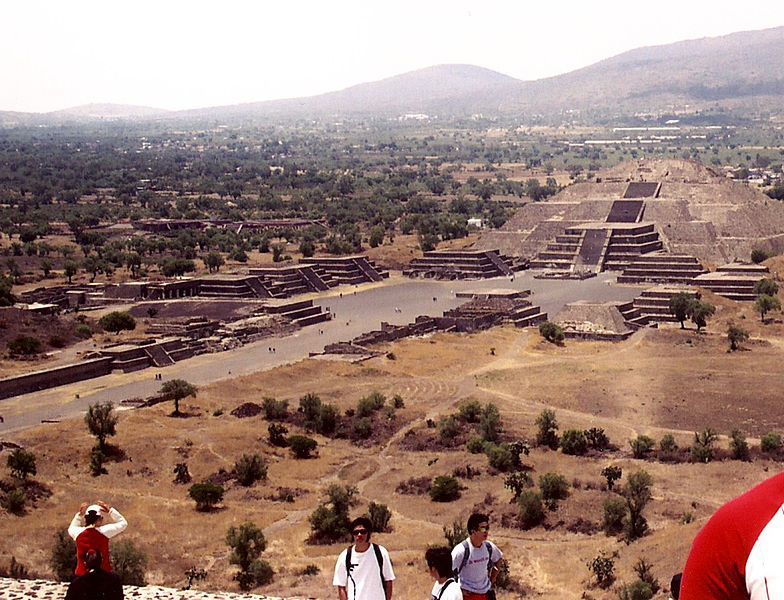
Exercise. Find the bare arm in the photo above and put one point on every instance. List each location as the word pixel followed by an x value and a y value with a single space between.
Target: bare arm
pixel 495 571
pixel 388 589
pixel 342 594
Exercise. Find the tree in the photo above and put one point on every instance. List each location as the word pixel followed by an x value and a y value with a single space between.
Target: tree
pixel 213 261
pixel 490 423
pixel 117 321
pixel 765 304
pixel 736 336
pixel 177 389
pixel 614 513
pixel 573 442
pixel 302 446
pixel 739 447
pixel 445 488
pixel 553 487
pixel 376 236
pixel 101 422
pixel 766 286
pixel 642 445
pixel 681 306
pixel 612 473
pixel 603 568
pixel 307 248
pixel 329 522
pixel 6 297
pixel 46 267
pixel 700 311
pixel 547 432
pixel 247 542
pixel 702 448
pixel 206 495
pixel 530 509
pixel 637 494
pixel 379 515
pixel 21 463
pixel 517 483
pixel 277 435
pixel 70 269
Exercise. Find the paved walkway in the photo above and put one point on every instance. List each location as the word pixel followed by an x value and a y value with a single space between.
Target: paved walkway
pixel 40 589
pixel 356 309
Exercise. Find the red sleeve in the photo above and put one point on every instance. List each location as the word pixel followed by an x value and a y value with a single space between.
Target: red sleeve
pixel 716 567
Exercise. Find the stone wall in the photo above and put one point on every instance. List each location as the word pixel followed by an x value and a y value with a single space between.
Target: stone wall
pixel 42 380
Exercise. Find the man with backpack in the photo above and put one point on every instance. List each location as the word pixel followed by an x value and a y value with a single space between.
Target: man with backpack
pixel 476 561
pixel 363 571
pixel 439 561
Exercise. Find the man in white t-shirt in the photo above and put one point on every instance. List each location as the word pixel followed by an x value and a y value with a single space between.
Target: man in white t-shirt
pixel 439 561
pixel 363 571
pixel 476 561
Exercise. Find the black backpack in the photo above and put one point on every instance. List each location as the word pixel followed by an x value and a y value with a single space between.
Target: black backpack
pixel 467 555
pixel 379 559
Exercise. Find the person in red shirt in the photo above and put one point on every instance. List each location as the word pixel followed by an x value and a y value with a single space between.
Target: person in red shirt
pixel 739 553
pixel 90 533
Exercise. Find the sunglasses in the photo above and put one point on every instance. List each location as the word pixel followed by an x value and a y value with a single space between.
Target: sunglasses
pixel 360 532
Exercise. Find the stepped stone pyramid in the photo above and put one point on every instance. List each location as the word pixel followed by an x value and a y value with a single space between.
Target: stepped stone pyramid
pixel 675 206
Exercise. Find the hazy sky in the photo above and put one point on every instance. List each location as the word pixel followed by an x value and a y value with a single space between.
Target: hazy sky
pixel 186 54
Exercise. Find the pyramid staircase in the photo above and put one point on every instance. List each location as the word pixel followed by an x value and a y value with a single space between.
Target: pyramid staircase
pixel 653 306
pixel 734 281
pixel 346 270
pixel 661 267
pixel 462 264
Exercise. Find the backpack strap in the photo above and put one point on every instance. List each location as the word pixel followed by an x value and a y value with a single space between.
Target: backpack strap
pixel 380 560
pixel 466 556
pixel 443 589
pixel 348 560
pixel 490 563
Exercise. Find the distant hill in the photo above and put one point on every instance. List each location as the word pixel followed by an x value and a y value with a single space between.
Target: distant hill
pixel 738 71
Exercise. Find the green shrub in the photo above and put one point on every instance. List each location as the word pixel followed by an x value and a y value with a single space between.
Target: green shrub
pixel 612 473
pixel 21 463
pixel 614 516
pixel 398 402
pixel 363 428
pixel 770 442
pixel 470 411
pixel 517 482
pixel 739 447
pixel 603 568
pixel 24 345
pixel 667 444
pixel 551 332
pixel 370 404
pixel 639 590
pixel 448 430
pixel 275 410
pixel 530 509
pixel 547 429
pixel 475 445
pixel 117 321
pixel 553 487
pixel 83 331
pixel 329 522
pixel 97 460
pixel 328 419
pixel 597 439
pixel 445 488
pixel 62 558
pixel 490 423
pixel 379 515
pixel 250 469
pixel 247 542
pixel 129 563
pixel 276 433
pixel 642 445
pixel 302 446
pixel 57 341
pixel 206 495
pixel 573 442
pixel 702 449
pixel 14 501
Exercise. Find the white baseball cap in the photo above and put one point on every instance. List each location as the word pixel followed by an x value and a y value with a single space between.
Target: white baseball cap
pixel 95 509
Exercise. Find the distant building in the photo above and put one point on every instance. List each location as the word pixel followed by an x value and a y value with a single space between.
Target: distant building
pixel 475 222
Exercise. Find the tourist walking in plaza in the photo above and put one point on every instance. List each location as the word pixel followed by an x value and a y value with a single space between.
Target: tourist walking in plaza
pixel 476 561
pixel 363 571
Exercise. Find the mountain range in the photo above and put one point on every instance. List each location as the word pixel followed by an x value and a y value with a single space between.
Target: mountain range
pixel 738 72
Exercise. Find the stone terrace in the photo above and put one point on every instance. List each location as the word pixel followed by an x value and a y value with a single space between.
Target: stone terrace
pixel 39 589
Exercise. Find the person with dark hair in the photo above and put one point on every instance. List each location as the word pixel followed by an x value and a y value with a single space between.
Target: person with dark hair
pixel 477 561
pixel 739 553
pixel 363 571
pixel 95 584
pixel 439 562
pixel 675 586
pixel 89 532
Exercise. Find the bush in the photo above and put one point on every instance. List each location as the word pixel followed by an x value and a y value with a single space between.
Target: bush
pixel 363 428
pixel 597 439
pixel 97 460
pixel 370 404
pixel 448 430
pixel 702 448
pixel 129 563
pixel 14 501
pixel 329 522
pixel 24 345
pixel 644 571
pixel 551 332
pixel 758 255
pixel 739 447
pixel 247 543
pixel 62 559
pixel 277 435
pixel 275 410
pixel 490 423
pixel 310 407
pixel 101 422
pixel 475 445
pixel 553 488
pixel 117 321
pixel 250 469
pixel 379 515
pixel 517 483
pixel 637 493
pixel 614 515
pixel 470 411
pixel 57 341
pixel 500 457
pixel 21 463
pixel 83 331
pixel 642 445
pixel 445 488
pixel 302 446
pixel 573 442
pixel 736 336
pixel 603 568
pixel 770 442
pixel 667 444
pixel 766 286
pixel 398 402
pixel 206 495
pixel 530 509
pixel 328 419
pixel 547 432
pixel 455 534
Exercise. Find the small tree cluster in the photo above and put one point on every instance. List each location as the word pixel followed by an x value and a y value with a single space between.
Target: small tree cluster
pixel 249 469
pixel 547 429
pixel 247 542
pixel 683 306
pixel 551 332
pixel 330 521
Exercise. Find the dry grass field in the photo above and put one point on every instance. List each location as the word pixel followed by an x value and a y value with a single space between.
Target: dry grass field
pixel 658 381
